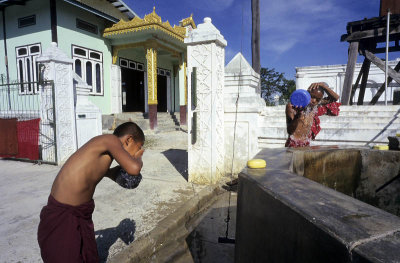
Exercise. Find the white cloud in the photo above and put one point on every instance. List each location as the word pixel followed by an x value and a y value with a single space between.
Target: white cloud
pixel 285 23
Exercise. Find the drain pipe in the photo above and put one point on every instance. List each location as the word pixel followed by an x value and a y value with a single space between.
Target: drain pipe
pixel 387 54
pixel 6 57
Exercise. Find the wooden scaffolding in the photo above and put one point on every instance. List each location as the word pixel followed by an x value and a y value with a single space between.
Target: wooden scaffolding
pixel 363 37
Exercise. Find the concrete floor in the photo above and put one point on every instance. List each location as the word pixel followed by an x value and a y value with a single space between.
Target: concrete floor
pixel 120 216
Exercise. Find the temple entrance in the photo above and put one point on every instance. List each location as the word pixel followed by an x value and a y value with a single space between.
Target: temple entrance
pixel 132 89
pixel 161 93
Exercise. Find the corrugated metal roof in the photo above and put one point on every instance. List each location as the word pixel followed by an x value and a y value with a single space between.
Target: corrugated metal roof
pixel 123 8
pixel 5 3
pixel 92 10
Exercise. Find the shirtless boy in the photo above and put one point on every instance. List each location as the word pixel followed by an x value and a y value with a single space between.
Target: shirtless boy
pixel 66 232
pixel 303 124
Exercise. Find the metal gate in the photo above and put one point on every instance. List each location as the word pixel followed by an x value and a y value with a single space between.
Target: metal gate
pixel 30 101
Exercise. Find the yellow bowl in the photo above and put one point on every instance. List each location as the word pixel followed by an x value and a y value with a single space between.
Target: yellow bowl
pixel 381 147
pixel 257 163
pixel 397 134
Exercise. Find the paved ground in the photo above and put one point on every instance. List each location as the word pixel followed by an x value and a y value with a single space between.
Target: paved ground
pixel 121 215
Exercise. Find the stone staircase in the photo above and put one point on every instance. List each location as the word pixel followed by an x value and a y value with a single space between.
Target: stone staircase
pixel 355 125
pixel 165 121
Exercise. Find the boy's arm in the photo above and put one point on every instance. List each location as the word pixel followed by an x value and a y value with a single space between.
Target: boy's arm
pixel 293 118
pixel 118 175
pixel 332 96
pixel 290 112
pixel 112 173
pixel 132 165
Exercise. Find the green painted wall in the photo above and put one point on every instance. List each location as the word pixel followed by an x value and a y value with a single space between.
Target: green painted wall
pixel 69 34
pixel 39 33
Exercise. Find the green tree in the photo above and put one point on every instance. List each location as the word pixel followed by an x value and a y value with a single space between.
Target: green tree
pixel 275 84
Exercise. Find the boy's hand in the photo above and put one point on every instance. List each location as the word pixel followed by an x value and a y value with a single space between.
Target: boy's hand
pixel 298 109
pixel 316 85
pixel 139 153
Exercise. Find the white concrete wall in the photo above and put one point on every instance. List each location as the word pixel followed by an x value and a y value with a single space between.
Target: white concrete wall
pixel 242 106
pixel 333 75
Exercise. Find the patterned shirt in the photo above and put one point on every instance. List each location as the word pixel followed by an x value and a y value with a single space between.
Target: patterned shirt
pixel 331 109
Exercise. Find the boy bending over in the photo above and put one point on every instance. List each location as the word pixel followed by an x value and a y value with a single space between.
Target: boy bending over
pixel 66 232
pixel 303 124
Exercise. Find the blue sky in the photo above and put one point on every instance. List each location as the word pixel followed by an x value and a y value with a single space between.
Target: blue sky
pixel 294 33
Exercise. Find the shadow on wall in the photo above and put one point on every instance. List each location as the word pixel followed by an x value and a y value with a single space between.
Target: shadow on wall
pixel 107 237
pixel 179 159
pixel 203 240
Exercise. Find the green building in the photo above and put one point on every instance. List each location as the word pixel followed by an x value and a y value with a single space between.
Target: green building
pixel 131 64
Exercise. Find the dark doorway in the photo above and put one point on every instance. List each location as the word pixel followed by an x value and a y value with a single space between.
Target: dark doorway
pixel 132 90
pixel 161 93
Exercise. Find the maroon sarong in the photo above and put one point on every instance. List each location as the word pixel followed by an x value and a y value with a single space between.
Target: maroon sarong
pixel 66 233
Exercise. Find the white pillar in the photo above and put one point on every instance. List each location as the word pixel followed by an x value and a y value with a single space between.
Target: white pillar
pixel 169 104
pixel 116 96
pixel 206 52
pixel 58 67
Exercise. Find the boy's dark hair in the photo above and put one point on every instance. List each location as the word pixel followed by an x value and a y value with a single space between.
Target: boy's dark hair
pixel 130 128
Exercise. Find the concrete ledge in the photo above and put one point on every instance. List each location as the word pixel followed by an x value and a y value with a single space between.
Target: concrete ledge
pixel 170 230
pixel 283 217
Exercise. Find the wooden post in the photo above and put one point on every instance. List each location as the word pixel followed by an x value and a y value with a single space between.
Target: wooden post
pixel 255 38
pixel 355 86
pixel 348 79
pixel 364 82
pixel 382 88
pixel 380 64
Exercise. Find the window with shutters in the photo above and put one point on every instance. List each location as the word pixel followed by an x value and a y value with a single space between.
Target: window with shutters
pixel 88 64
pixel 27 68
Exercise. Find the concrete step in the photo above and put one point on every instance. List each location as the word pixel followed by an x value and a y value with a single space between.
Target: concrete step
pixel 341 125
pixel 356 125
pixel 347 134
pixel 371 111
pixel 275 143
pixel 344 108
pixel 165 121
pixel 266 143
pixel 384 114
pixel 333 119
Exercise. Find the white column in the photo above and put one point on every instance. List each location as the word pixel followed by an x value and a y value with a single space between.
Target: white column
pixel 58 67
pixel 169 104
pixel 116 96
pixel 206 52
pixel 181 83
pixel 146 92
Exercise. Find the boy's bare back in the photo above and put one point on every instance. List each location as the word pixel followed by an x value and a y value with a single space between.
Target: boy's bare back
pixel 76 182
